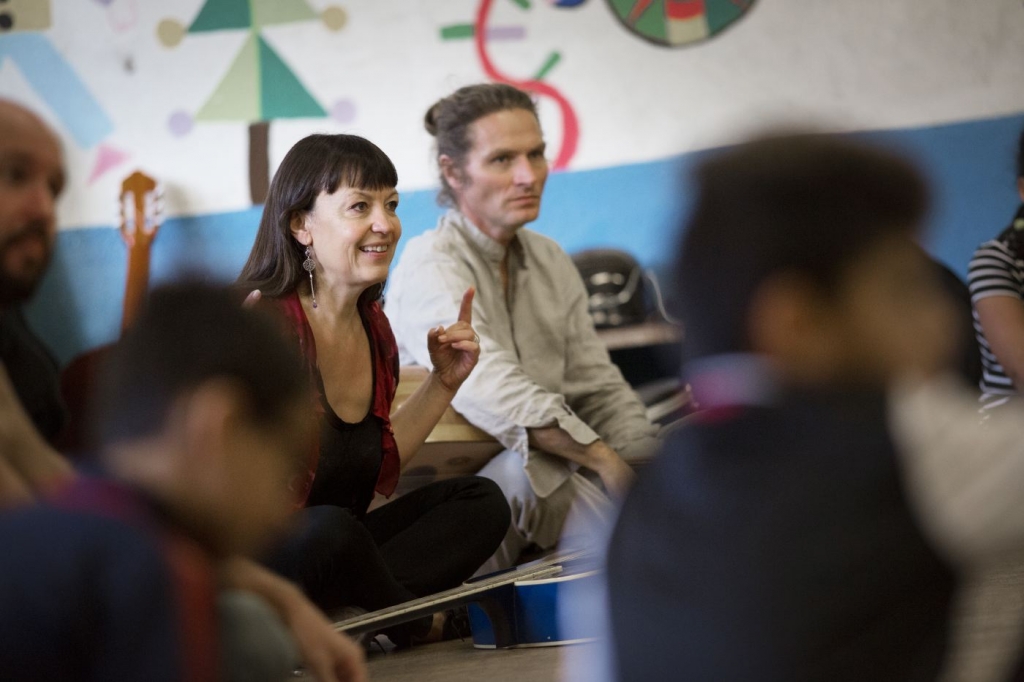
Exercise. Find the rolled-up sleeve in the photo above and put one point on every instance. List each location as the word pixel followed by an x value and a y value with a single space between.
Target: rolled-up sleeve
pixel 992 272
pixel 595 387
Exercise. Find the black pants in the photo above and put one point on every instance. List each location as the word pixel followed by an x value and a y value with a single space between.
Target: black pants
pixel 428 540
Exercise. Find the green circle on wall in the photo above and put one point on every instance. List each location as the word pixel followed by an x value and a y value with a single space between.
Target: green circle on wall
pixel 674 23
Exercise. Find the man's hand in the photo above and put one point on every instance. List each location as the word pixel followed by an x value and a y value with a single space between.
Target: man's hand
pixel 615 474
pixel 329 655
pixel 454 351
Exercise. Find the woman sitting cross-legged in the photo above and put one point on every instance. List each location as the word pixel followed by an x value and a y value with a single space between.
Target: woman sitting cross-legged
pixel 321 256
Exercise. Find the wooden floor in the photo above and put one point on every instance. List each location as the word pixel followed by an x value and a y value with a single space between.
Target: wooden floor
pixel 458 661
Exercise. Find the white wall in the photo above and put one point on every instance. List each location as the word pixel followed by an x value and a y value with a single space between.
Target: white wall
pixel 847 65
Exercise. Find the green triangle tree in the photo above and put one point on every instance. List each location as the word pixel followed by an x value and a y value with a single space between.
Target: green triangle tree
pixel 258 86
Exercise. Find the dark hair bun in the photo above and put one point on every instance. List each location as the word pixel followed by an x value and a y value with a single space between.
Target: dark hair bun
pixel 430 120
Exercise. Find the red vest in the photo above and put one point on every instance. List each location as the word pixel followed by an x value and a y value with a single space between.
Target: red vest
pixel 385 372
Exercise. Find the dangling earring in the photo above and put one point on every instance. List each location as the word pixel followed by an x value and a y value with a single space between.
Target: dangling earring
pixel 309 265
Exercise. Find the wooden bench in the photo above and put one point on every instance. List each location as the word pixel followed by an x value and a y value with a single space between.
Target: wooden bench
pixel 454 448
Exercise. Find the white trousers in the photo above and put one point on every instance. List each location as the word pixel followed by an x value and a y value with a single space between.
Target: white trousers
pixel 540 520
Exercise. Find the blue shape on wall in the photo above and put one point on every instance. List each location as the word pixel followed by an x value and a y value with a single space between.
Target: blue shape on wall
pixel 58 85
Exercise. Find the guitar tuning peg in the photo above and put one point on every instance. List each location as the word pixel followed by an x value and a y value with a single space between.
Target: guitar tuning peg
pixel 160 196
pixel 126 213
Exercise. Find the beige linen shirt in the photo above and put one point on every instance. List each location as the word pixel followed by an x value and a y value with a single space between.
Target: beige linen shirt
pixel 541 362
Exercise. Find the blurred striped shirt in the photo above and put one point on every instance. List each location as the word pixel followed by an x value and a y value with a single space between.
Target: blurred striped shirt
pixel 996 270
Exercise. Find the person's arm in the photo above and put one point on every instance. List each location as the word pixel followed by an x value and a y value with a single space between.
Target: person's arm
pixel 964 477
pixel 330 655
pixel 28 465
pixel 615 474
pixel 996 297
pixel 453 353
pixel 1002 320
pixel 594 386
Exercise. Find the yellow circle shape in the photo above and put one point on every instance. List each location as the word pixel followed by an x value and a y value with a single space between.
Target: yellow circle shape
pixel 170 32
pixel 334 18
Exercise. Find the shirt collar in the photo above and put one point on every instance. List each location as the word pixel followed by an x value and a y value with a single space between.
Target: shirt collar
pixel 489 248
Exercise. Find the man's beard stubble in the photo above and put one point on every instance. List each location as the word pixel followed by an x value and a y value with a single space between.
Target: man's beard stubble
pixel 17 288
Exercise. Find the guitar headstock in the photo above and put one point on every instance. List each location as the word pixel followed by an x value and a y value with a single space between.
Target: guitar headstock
pixel 141 206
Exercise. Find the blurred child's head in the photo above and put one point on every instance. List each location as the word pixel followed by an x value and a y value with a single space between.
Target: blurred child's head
pixel 802 248
pixel 202 405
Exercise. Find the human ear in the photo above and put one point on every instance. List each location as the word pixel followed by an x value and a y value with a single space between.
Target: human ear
pixel 299 229
pixel 450 171
pixel 1020 188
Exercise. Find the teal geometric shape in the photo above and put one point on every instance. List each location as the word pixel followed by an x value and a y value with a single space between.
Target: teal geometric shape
pixel 270 12
pixel 222 14
pixel 651 23
pixel 721 13
pixel 282 95
pixel 237 98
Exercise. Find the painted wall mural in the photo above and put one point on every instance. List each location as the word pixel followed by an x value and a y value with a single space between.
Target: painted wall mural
pixel 482 34
pixel 258 86
pixel 122 15
pixel 672 23
pixel 675 23
pixel 208 95
pixel 22 23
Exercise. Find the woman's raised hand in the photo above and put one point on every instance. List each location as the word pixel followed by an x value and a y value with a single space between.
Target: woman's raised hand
pixel 454 351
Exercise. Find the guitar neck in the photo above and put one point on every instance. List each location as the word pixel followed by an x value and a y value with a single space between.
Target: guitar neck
pixel 140 211
pixel 137 283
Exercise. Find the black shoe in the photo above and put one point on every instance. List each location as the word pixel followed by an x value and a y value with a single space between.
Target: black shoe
pixel 456 624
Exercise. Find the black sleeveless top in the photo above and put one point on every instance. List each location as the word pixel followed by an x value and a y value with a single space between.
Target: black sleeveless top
pixel 350 457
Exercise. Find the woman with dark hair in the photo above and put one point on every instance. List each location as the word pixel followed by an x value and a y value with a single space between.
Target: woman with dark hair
pixel 321 256
pixel 996 280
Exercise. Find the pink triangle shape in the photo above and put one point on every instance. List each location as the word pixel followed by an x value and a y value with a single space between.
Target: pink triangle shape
pixel 106 158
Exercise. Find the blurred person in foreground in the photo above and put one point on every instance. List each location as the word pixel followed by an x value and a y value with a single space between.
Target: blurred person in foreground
pixel 791 532
pixel 118 578
pixel 32 178
pixel 31 411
